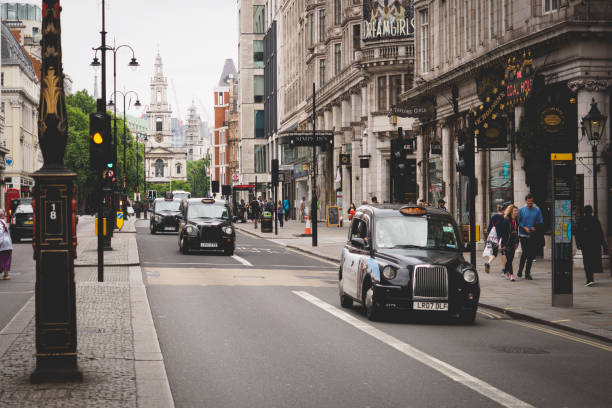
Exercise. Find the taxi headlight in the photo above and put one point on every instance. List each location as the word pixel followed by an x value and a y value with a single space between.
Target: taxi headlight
pixel 469 275
pixel 189 229
pixel 158 218
pixel 389 272
pixel 228 230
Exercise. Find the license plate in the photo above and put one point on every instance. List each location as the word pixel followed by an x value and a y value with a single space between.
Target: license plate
pixel 29 222
pixel 170 229
pixel 208 245
pixel 433 306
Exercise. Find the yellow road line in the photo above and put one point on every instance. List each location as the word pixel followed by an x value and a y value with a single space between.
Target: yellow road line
pixel 564 335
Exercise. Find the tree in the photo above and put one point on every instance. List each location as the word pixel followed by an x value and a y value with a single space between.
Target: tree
pixel 197 178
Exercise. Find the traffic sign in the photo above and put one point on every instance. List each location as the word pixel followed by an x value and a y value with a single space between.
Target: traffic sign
pixel 235 177
pixel 119 219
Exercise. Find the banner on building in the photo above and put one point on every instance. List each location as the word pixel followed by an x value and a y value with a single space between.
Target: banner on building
pixel 387 19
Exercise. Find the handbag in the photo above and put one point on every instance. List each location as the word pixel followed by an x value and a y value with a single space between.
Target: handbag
pixel 491 243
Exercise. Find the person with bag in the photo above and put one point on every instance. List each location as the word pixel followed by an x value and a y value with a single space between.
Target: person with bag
pixel 496 225
pixel 510 239
pixel 287 208
pixel 6 247
pixel 590 240
pixel 530 217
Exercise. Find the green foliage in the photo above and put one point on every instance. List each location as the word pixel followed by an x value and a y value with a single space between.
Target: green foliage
pixel 181 185
pixel 197 178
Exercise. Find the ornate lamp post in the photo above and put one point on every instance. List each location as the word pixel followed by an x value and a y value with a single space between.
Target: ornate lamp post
pixel 593 124
pixel 55 228
pixel 137 105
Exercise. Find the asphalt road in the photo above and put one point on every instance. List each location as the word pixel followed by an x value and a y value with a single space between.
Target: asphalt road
pixel 14 293
pixel 264 329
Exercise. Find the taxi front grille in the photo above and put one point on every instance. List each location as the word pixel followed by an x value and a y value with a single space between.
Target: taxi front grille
pixel 429 282
pixel 209 234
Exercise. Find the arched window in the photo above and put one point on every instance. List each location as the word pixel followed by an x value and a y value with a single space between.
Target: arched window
pixel 158 124
pixel 159 168
pixel 178 169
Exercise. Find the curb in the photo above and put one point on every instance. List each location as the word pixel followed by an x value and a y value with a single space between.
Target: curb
pixel 95 265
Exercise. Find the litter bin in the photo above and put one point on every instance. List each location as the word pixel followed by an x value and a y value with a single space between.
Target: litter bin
pixel 266 221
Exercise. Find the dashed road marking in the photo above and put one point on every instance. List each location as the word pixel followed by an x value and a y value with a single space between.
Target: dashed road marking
pixel 443 368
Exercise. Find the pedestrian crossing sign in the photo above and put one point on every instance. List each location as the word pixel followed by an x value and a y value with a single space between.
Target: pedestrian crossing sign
pixel 119 219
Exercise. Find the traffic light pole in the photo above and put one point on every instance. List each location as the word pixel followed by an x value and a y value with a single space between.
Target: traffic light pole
pixel 313 206
pixel 102 108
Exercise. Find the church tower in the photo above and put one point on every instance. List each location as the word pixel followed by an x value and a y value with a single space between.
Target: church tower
pixel 165 163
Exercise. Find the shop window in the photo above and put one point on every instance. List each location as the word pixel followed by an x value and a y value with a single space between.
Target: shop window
pixel 500 179
pixel 258 54
pixel 259 19
pixel 258 88
pixel 259 124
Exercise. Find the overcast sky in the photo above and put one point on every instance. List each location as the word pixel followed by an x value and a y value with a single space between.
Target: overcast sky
pixel 194 38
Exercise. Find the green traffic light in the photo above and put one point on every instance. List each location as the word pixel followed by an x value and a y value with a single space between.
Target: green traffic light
pixel 109 165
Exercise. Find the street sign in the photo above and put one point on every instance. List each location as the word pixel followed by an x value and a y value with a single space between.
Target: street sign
pixel 305 138
pixel 421 109
pixel 119 219
pixel 235 177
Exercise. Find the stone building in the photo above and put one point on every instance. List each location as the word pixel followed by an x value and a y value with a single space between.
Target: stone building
pixel 163 161
pixel 20 93
pixel 546 60
pixel 359 73
pixel 194 142
pixel 233 139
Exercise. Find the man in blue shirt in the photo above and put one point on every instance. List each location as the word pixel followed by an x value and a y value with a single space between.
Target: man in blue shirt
pixel 529 216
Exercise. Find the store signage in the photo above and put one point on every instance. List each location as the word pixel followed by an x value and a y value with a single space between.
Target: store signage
pixel 387 19
pixel 345 159
pixel 518 79
pixel 494 136
pixel 552 120
pixel 422 109
pixel 306 138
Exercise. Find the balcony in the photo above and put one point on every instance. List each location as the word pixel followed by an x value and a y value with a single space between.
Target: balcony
pixel 382 53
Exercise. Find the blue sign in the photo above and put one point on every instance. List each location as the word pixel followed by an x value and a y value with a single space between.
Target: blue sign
pixel 9 161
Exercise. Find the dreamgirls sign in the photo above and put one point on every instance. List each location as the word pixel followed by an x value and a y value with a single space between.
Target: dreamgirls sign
pixel 388 19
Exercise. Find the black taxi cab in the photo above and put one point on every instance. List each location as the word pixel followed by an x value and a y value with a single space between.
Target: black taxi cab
pixel 165 214
pixel 407 258
pixel 206 225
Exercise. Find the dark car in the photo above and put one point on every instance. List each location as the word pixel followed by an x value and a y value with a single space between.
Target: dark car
pixel 22 222
pixel 165 215
pixel 407 258
pixel 206 225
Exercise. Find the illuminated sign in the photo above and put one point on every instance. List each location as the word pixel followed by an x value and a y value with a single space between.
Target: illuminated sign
pixel 518 78
pixel 388 19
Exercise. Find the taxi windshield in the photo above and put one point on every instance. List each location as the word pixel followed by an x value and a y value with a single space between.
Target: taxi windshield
pixel 415 232
pixel 169 205
pixel 206 211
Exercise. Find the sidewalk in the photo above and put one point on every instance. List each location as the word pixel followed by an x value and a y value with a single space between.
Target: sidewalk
pixel 118 350
pixel 529 300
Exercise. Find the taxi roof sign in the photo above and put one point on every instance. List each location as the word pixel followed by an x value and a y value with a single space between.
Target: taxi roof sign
pixel 413 210
pixel 168 196
pixel 208 200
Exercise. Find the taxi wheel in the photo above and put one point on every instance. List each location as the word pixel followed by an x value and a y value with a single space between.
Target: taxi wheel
pixel 372 310
pixel 467 316
pixel 152 228
pixel 183 247
pixel 345 300
pixel 229 252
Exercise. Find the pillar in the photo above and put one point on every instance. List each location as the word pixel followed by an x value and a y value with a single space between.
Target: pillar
pixel 447 170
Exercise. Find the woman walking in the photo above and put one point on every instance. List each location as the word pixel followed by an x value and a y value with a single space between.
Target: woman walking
pixel 590 239
pixel 280 213
pixel 6 247
pixel 510 238
pixel 496 226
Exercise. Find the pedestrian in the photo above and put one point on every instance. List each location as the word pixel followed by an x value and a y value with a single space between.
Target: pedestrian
pixel 589 239
pixel 494 234
pixel 530 218
pixel 442 205
pixel 280 212
pixel 302 208
pixel 255 208
pixel 6 247
pixel 287 207
pixel 270 205
pixel 351 211
pixel 510 238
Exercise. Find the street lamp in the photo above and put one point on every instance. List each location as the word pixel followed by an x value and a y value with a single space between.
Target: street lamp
pixel 593 124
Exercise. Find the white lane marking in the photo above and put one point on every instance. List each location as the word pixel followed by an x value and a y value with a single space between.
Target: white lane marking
pixel 18 314
pixel 446 369
pixel 242 260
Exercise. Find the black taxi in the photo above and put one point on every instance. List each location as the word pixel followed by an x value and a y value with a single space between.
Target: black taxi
pixel 407 258
pixel 165 214
pixel 206 225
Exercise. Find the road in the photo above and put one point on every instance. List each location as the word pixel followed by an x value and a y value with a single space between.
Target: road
pixel 264 329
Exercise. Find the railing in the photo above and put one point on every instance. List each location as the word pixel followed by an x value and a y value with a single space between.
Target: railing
pixel 387 52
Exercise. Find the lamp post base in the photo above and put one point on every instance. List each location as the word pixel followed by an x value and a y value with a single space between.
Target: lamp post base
pixel 58 370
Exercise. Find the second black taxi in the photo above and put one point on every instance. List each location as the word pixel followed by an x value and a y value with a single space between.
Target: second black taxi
pixel 407 258
pixel 165 214
pixel 206 226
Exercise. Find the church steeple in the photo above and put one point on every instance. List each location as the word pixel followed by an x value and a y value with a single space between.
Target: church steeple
pixel 159 67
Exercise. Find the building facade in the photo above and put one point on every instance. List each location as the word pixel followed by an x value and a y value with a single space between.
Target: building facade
pixel 164 161
pixel 544 62
pixel 194 141
pixel 233 140
pixel 220 152
pixel 20 93
pixel 358 73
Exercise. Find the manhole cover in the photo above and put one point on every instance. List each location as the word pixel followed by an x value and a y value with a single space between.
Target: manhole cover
pixel 519 350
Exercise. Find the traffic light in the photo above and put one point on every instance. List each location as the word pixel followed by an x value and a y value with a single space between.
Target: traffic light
pixel 465 164
pixel 274 172
pixel 100 150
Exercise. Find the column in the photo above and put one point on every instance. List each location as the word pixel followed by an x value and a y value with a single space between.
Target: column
pixel 519 184
pixel 447 170
pixel 481 201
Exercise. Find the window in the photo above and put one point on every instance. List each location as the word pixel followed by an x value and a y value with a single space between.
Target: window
pixel 491 19
pixel 479 20
pixel 311 18
pixel 321 72
pixel 159 168
pixel 337 12
pixel 178 169
pixel 382 93
pixel 550 6
pixel 259 124
pixel 321 25
pixel 220 99
pixel 444 32
pixel 2 79
pixel 395 83
pixel 258 53
pixel 466 25
pixel 261 158
pixel 424 41
pixel 506 18
pixel 158 124
pixel 259 19
pixel 356 38
pixel 3 107
pixel 258 88
pixel 337 58
pixel 158 96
